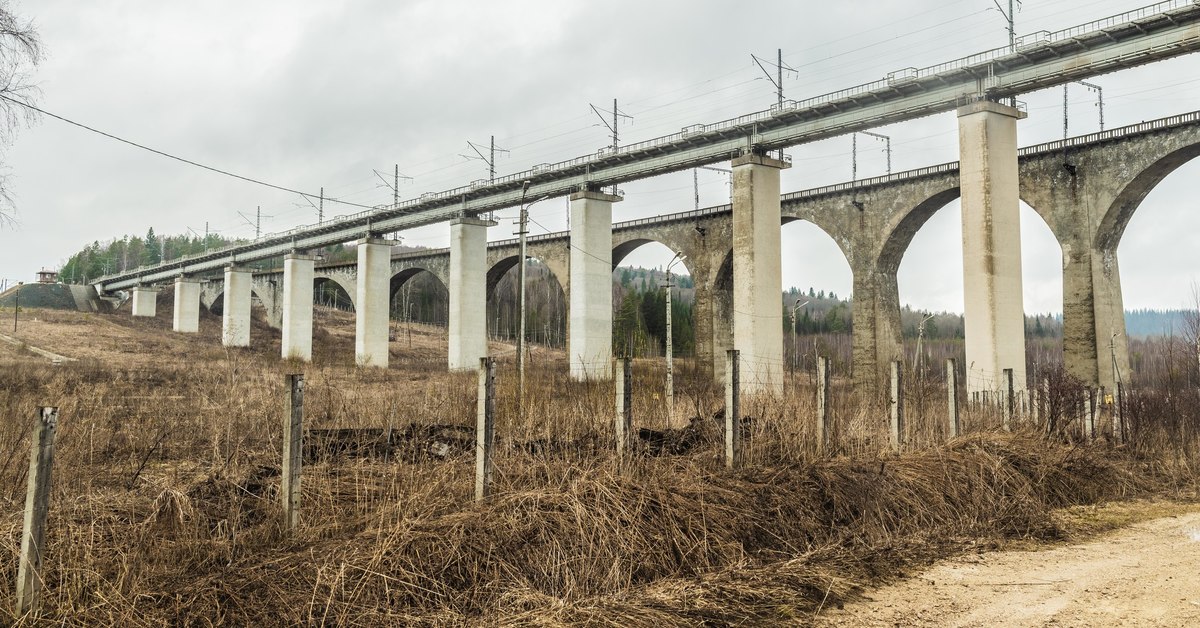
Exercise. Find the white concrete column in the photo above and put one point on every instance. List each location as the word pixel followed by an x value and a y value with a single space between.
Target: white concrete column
pixel 235 313
pixel 468 292
pixel 187 305
pixel 758 273
pixel 994 312
pixel 145 301
pixel 373 303
pixel 297 307
pixel 589 336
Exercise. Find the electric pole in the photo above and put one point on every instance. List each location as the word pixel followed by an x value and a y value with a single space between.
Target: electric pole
pixel 777 79
pixel 854 151
pixel 613 127
pixel 696 179
pixel 490 159
pixel 321 207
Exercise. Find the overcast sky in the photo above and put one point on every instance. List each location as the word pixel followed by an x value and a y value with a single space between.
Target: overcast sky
pixel 319 94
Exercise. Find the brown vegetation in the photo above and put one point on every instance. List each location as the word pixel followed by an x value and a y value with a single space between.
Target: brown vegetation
pixel 165 508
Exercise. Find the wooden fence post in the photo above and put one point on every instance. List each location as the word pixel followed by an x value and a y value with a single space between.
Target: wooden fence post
pixel 733 424
pixel 1009 401
pixel 293 448
pixel 896 403
pixel 954 423
pixel 37 505
pixel 1087 425
pixel 823 410
pixel 485 428
pixel 1119 415
pixel 623 420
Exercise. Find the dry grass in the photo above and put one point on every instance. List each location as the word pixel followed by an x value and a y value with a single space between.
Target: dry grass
pixel 165 508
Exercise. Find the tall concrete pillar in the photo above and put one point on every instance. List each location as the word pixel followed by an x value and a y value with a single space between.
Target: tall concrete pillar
pixel 468 292
pixel 589 336
pixel 187 305
pixel 297 307
pixel 994 313
pixel 235 313
pixel 1094 340
pixel 145 301
pixel 757 273
pixel 722 324
pixel 373 304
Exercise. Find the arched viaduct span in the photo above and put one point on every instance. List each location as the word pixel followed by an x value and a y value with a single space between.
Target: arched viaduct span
pixel 1085 188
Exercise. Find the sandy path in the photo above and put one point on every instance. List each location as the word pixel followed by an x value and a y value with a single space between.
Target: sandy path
pixel 1145 575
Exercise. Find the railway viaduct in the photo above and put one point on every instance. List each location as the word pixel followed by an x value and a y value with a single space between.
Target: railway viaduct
pixel 1085 188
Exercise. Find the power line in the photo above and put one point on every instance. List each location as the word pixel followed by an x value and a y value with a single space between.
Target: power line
pixel 175 157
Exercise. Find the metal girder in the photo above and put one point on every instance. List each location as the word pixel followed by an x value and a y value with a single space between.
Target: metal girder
pixel 1162 31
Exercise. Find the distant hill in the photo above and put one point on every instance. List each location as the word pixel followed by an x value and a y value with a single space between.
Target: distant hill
pixel 1142 323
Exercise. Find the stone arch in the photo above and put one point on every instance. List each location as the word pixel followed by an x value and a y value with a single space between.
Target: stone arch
pixel 217 298
pixel 501 320
pixel 1117 215
pixel 404 276
pixel 623 248
pixel 343 291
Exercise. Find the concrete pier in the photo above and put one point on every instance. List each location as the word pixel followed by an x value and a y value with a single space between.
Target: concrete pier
pixel 994 312
pixel 373 302
pixel 757 273
pixel 235 313
pixel 589 338
pixel 297 307
pixel 468 292
pixel 187 305
pixel 145 301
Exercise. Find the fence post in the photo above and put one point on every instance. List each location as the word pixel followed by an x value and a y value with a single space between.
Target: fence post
pixel 623 419
pixel 733 427
pixel 485 428
pixel 1119 414
pixel 1047 404
pixel 823 411
pixel 37 504
pixel 954 425
pixel 1087 414
pixel 1034 410
pixel 293 447
pixel 1009 400
pixel 896 401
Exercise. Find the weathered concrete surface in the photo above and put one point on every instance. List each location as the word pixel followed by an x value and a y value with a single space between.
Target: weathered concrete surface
pixel 994 311
pixel 589 335
pixel 373 303
pixel 235 313
pixel 468 293
pixel 186 315
pixel 757 273
pixel 297 307
pixel 145 301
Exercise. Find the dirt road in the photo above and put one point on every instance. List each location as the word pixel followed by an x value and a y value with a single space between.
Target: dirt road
pixel 1145 575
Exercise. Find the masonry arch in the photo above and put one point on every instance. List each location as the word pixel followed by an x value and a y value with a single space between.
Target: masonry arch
pixel 335 292
pixel 818 280
pixel 639 302
pixel 1144 266
pixel 921 261
pixel 418 294
pixel 546 302
pixel 1117 216
pixel 258 300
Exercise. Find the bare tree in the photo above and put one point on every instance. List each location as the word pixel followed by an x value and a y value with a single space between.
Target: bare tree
pixel 20 52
